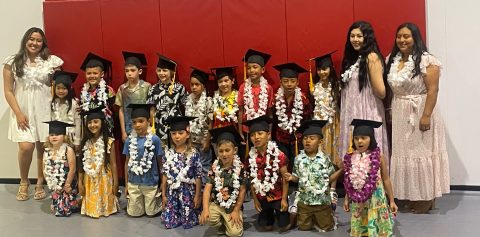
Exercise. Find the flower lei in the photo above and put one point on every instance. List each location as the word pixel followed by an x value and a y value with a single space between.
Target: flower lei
pixel 170 166
pixel 263 100
pixel 100 92
pixel 405 73
pixel 271 176
pixel 309 185
pixel 97 158
pixel 347 75
pixel 142 165
pixel 324 109
pixel 361 175
pixel 54 169
pixel 232 199
pixel 292 122
pixel 223 110
pixel 198 110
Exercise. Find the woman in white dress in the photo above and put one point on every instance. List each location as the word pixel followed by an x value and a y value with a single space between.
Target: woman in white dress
pixel 26 78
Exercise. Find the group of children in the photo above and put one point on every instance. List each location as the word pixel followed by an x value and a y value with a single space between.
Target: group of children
pixel 170 138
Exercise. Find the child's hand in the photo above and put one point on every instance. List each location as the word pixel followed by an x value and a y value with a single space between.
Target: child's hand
pixel 235 218
pixel 284 205
pixel 258 207
pixel 164 202
pixel 197 201
pixel 288 177
pixel 393 207
pixel 124 137
pixel 115 190
pixel 204 216
pixel 67 188
pixel 346 205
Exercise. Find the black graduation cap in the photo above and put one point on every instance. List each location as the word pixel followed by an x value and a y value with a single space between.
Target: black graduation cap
pixel 65 78
pixel 140 110
pixel 96 113
pixel 220 72
pixel 93 60
pixel 179 123
pixel 164 62
pixel 229 133
pixel 253 56
pixel 364 127
pixel 324 61
pixel 289 70
pixel 58 127
pixel 312 127
pixel 136 59
pixel 259 124
pixel 201 75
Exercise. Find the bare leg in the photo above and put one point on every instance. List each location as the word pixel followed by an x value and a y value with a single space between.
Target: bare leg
pixel 25 152
pixel 39 191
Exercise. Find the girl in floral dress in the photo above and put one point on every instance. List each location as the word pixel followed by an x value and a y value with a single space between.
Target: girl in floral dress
pixel 59 169
pixel 98 179
pixel 366 182
pixel 181 178
pixel 225 107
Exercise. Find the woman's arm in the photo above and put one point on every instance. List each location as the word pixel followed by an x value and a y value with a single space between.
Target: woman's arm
pixel 8 85
pixel 375 73
pixel 431 80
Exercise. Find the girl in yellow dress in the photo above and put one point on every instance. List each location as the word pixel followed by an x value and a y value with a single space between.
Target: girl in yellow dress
pixel 98 179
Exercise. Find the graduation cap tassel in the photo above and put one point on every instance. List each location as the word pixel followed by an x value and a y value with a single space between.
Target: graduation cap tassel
pixel 312 88
pixel 247 149
pixel 244 70
pixel 170 89
pixel 296 146
pixel 52 88
pixel 350 142
pixel 153 126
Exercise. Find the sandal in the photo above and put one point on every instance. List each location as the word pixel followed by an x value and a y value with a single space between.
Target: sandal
pixel 39 194
pixel 22 194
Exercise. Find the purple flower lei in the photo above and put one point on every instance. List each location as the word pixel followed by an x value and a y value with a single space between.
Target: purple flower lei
pixel 370 185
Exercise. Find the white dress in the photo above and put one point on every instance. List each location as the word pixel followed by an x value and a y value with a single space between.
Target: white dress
pixel 33 95
pixel 72 116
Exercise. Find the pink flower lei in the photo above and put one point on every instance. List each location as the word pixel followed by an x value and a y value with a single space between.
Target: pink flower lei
pixel 363 193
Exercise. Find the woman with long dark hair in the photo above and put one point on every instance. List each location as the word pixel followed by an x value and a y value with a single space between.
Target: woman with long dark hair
pixel 26 78
pixel 363 86
pixel 419 168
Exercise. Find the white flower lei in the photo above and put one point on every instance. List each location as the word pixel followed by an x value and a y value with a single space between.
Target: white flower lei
pixel 289 124
pixel 171 160
pixel 263 100
pixel 347 75
pixel 220 105
pixel 198 110
pixel 236 183
pixel 271 176
pixel 310 185
pixel 324 108
pixel 144 164
pixel 360 169
pixel 407 71
pixel 97 159
pixel 54 169
pixel 102 95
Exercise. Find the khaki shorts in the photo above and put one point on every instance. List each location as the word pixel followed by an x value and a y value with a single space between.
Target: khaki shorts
pixel 219 217
pixel 320 215
pixel 143 200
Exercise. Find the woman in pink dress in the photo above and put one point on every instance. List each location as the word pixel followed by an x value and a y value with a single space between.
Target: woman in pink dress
pixel 419 167
pixel 363 87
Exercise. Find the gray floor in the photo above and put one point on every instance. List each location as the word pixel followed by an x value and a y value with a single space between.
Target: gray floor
pixel 456 215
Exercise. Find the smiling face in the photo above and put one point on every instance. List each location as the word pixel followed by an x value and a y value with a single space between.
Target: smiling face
pixel 34 43
pixel 255 71
pixel 94 75
pixel 95 127
pixel 61 91
pixel 225 85
pixel 361 143
pixel 323 73
pixel 226 153
pixel 405 41
pixel 356 39
pixel 164 75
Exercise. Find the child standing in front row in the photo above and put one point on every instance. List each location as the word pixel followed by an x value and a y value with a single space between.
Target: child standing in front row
pixel 98 179
pixel 144 153
pixel 366 182
pixel 59 169
pixel 314 171
pixel 181 177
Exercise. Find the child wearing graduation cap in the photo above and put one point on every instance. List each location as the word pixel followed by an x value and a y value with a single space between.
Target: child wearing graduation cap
pixel 226 185
pixel 59 169
pixel 64 106
pixel 168 96
pixel 291 108
pixel 144 153
pixel 98 178
pixel 134 91
pixel 367 184
pixel 326 97
pixel 95 92
pixel 313 171
pixel 225 107
pixel 200 105
pixel 267 166
pixel 181 177
pixel 255 95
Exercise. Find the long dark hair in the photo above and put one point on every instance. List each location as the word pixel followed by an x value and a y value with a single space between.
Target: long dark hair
pixel 87 135
pixel 419 48
pixel 70 96
pixel 370 45
pixel 21 57
pixel 333 79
